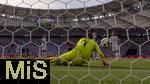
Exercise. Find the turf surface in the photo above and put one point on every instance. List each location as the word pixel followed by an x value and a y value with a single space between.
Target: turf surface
pixel 122 71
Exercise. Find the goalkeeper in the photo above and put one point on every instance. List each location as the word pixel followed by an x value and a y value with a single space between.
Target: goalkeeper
pixel 81 53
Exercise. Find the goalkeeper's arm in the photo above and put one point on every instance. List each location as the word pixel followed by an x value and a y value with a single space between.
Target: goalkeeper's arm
pixel 101 54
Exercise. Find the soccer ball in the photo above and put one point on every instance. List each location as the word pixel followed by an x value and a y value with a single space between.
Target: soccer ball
pixel 105 43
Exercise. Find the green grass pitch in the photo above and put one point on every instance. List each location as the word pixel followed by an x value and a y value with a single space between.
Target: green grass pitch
pixel 122 71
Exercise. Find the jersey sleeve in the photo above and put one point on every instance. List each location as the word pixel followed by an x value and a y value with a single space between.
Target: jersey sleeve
pixel 98 50
pixel 110 40
pixel 118 40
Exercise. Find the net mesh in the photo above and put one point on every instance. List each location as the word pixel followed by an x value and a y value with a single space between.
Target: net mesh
pixel 22 30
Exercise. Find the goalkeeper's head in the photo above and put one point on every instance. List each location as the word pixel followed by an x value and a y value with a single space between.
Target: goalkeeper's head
pixel 90 35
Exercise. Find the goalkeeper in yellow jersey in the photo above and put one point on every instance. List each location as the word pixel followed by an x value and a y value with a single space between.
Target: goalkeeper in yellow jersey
pixel 81 53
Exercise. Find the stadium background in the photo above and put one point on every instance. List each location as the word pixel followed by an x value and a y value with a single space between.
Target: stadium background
pixel 23 27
